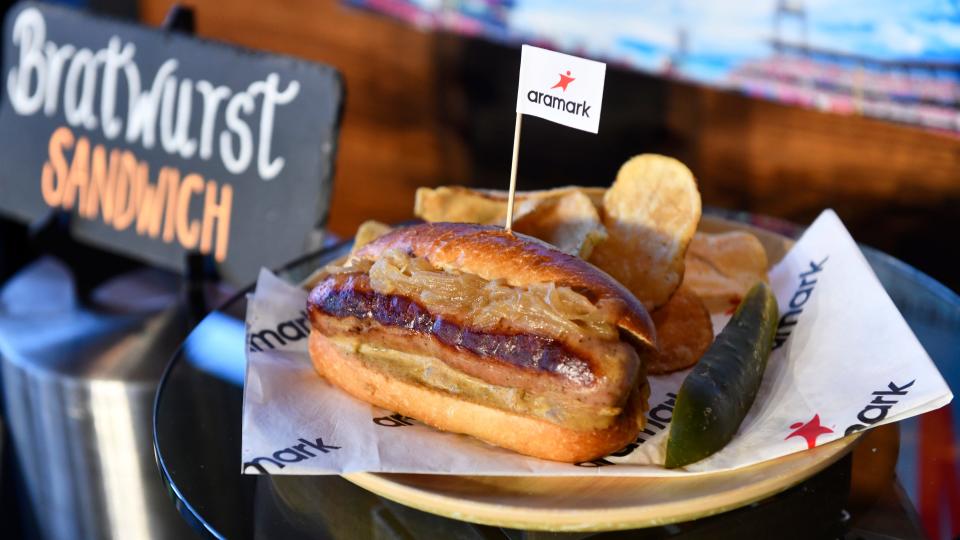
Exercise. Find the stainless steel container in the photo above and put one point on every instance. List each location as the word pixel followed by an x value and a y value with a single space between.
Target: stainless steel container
pixel 78 385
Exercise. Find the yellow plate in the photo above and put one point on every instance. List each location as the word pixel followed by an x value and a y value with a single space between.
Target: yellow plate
pixel 598 503
pixel 604 503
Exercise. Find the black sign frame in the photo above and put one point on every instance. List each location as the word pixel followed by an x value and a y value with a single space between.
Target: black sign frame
pixel 225 151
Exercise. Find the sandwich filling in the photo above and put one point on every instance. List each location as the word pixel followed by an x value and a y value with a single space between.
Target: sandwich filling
pixel 542 349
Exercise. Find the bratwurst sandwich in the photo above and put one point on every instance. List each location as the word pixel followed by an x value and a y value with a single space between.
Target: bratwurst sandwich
pixel 474 330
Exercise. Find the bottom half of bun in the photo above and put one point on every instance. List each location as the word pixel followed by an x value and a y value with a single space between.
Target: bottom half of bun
pixel 521 433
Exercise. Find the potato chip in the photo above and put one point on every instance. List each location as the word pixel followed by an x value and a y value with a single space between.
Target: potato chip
pixel 367 232
pixel 571 223
pixel 463 205
pixel 595 194
pixel 684 332
pixel 651 212
pixel 565 217
pixel 488 207
pixel 722 267
pixel 457 204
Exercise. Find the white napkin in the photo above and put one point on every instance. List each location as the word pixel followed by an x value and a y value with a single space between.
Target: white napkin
pixel 845 360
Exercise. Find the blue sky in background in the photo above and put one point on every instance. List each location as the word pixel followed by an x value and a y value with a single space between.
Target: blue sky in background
pixel 721 35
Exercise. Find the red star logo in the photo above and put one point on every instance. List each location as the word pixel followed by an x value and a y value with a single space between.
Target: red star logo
pixel 564 81
pixel 809 431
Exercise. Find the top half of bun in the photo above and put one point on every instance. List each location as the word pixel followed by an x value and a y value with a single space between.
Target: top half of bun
pixel 518 260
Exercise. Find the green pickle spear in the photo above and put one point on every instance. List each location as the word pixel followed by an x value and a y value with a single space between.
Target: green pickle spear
pixel 716 395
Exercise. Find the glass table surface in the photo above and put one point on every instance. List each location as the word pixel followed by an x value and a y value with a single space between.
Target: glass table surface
pixel 899 482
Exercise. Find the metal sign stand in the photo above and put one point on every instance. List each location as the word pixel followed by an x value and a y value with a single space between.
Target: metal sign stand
pixel 78 401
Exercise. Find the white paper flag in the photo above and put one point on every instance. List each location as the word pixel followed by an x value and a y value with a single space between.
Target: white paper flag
pixel 561 88
pixel 845 360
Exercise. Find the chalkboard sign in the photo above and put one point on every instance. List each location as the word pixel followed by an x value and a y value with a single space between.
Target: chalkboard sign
pixel 159 143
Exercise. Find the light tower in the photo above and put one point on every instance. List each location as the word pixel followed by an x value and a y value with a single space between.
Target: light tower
pixel 792 13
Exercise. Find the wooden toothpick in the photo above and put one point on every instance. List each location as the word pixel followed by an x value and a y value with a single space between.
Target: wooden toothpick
pixel 513 174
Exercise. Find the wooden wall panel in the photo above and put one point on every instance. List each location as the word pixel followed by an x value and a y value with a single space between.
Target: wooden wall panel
pixel 783 157
pixel 896 187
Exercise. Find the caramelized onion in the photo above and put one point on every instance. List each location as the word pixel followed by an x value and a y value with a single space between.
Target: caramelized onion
pixel 540 308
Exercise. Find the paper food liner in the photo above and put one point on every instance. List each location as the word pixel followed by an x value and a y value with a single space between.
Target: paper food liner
pixel 844 360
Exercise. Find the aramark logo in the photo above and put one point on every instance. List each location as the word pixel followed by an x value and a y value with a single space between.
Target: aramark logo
pixel 564 81
pixel 803 293
pixel 879 407
pixel 287 331
pixel 809 431
pixel 290 454
pixel 580 108
pixel 561 88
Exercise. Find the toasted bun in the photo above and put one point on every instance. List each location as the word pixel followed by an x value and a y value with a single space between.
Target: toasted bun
pixel 493 253
pixel 519 433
